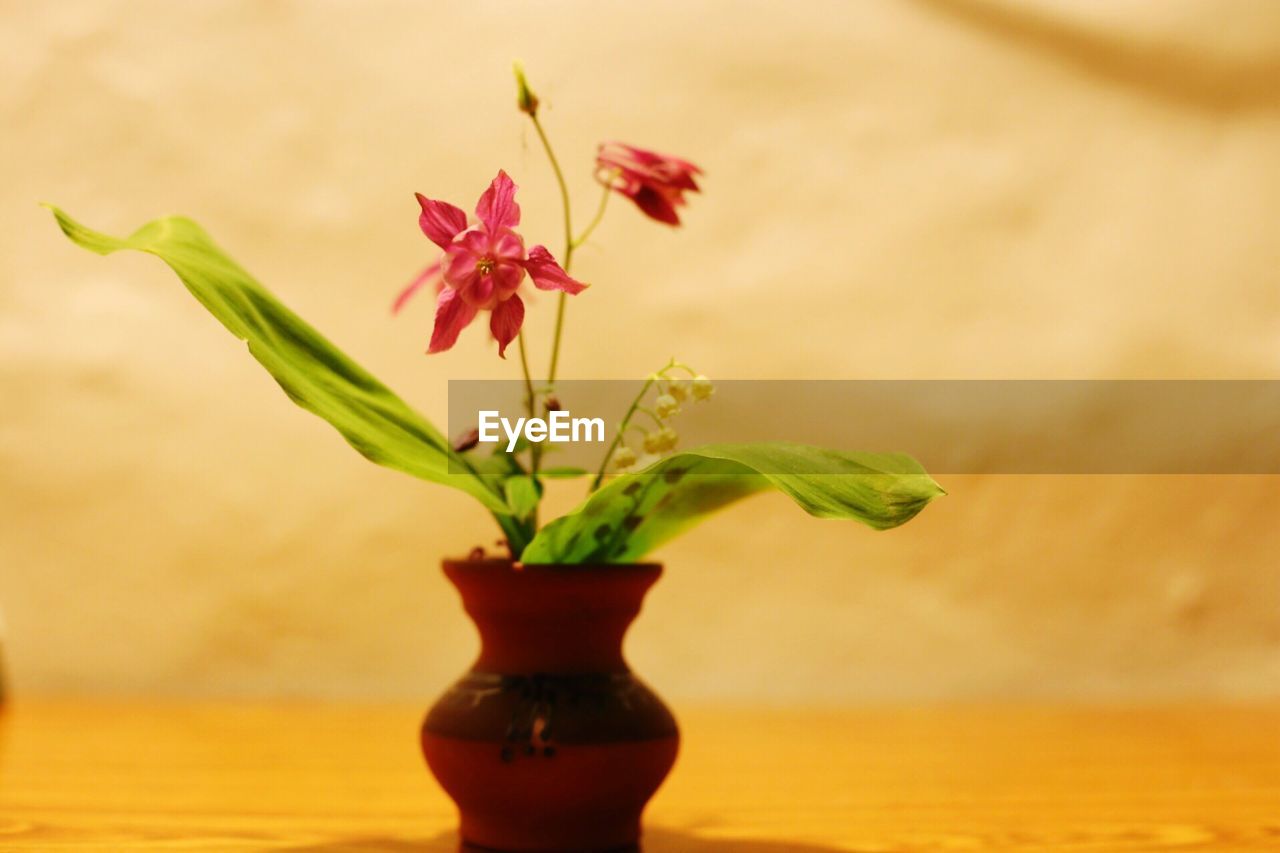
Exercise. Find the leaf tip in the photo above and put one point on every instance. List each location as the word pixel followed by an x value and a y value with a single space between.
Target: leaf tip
pixel 58 214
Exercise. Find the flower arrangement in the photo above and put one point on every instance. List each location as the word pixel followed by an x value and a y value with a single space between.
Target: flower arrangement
pixel 639 497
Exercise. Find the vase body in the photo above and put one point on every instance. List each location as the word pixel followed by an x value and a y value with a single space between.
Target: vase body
pixel 549 742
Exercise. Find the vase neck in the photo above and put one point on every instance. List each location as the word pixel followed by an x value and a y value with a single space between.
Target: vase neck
pixel 550 619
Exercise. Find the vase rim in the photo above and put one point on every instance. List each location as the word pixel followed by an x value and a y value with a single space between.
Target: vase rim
pixel 494 563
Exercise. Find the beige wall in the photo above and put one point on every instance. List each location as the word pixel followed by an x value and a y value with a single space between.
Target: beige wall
pixel 921 188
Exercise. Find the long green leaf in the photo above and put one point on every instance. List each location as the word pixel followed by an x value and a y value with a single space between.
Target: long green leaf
pixel 635 513
pixel 313 372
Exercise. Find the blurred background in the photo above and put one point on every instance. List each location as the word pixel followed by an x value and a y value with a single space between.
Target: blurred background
pixel 895 189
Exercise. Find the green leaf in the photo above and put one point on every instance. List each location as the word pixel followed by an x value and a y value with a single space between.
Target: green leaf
pixel 313 372
pixel 522 495
pixel 563 473
pixel 495 469
pixel 635 513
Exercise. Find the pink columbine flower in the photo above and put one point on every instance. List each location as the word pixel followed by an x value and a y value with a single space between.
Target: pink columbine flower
pixel 483 266
pixel 655 182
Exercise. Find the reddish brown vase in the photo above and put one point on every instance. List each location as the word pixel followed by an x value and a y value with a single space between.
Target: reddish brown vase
pixel 549 742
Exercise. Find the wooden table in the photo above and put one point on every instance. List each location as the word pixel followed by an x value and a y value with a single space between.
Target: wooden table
pixel 218 777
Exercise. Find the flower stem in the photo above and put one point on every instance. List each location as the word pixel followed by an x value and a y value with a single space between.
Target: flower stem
pixel 569 245
pixel 679 365
pixel 564 190
pixel 659 422
pixel 528 377
pixel 530 400
pixel 591 226
pixel 555 340
pixel 622 428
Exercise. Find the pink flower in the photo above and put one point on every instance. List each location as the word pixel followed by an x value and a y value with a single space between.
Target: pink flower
pixel 483 266
pixel 655 182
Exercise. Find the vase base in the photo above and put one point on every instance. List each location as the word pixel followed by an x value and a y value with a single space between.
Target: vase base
pixel 469 847
pixel 585 798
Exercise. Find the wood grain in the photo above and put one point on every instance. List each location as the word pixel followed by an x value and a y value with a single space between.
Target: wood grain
pixel 218 777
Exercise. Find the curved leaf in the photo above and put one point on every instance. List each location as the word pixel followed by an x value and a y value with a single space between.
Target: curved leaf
pixel 313 372
pixel 635 513
pixel 522 495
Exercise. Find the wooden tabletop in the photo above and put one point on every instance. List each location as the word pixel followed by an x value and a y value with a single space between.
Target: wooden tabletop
pixel 218 777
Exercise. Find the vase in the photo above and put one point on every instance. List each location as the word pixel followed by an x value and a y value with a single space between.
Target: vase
pixel 549 742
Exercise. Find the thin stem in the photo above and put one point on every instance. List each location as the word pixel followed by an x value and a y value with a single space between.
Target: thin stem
pixel 652 414
pixel 564 190
pixel 528 377
pixel 568 244
pixel 535 455
pixel 591 226
pixel 676 364
pixel 622 428
pixel 555 340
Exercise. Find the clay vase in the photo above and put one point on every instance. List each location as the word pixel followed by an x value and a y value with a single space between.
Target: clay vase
pixel 549 742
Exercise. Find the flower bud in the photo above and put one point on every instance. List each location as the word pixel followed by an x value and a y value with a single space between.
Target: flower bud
pixel 552 403
pixel 526 101
pixel 660 441
pixel 678 390
pixel 653 442
pixel 624 457
pixel 665 406
pixel 466 440
pixel 702 388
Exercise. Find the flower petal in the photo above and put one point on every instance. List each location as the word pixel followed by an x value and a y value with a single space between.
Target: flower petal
pixel 505 321
pixel 453 315
pixel 440 221
pixel 547 274
pixel 623 156
pixel 423 278
pixel 481 292
pixel 505 244
pixel 463 256
pixel 497 208
pixel 506 277
pixel 656 205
